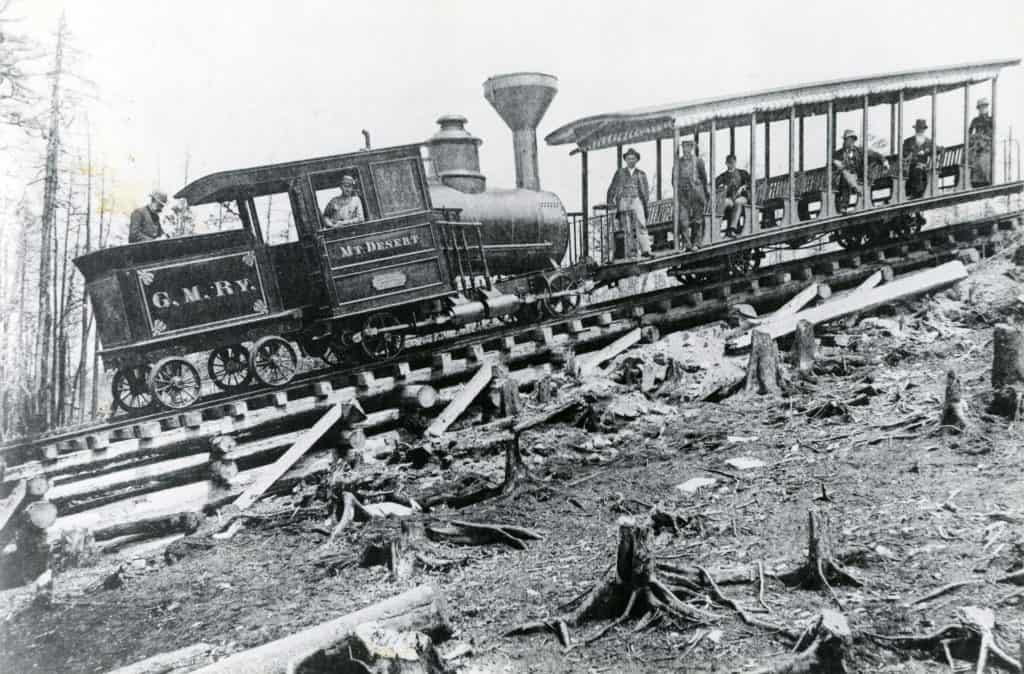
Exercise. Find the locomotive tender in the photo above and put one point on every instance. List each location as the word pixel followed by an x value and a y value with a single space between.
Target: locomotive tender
pixel 438 250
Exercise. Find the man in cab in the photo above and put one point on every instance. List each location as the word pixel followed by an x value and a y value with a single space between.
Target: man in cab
pixel 347 207
pixel 144 224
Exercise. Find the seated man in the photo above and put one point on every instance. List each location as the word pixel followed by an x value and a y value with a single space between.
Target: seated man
pixel 849 164
pixel 917 157
pixel 736 183
pixel 347 208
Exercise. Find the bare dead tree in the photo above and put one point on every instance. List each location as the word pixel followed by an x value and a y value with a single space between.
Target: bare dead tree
pixel 44 331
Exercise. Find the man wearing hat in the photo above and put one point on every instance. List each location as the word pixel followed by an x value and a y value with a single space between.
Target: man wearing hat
pixel 145 221
pixel 981 146
pixel 690 179
pixel 849 163
pixel 735 186
pixel 346 208
pixel 628 193
pixel 917 155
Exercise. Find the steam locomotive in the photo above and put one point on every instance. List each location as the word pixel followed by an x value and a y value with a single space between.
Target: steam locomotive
pixel 437 250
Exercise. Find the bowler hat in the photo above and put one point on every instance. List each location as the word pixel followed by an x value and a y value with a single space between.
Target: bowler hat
pixel 920 125
pixel 631 151
pixel 848 133
pixel 982 102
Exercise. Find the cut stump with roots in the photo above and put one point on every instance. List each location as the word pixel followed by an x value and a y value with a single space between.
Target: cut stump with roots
pixel 820 571
pixel 633 590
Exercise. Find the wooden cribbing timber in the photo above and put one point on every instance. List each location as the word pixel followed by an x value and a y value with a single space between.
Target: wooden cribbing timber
pixel 139 469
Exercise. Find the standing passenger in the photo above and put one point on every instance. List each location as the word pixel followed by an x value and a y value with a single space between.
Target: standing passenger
pixel 690 179
pixel 917 157
pixel 736 185
pixel 628 193
pixel 145 221
pixel 981 146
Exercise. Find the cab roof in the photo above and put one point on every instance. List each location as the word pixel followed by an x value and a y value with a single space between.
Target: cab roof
pixel 226 186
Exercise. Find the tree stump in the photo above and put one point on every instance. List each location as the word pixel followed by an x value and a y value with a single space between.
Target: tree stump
pixel 954 408
pixel 804 350
pixel 763 373
pixel 544 391
pixel 820 571
pixel 1008 371
pixel 633 590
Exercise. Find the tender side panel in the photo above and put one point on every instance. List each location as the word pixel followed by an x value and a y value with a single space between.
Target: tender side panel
pixel 186 295
pixel 382 264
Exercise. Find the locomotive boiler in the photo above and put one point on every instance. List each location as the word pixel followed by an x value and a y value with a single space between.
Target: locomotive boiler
pixel 523 229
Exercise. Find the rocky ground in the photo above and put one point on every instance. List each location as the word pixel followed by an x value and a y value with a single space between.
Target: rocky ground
pixel 909 508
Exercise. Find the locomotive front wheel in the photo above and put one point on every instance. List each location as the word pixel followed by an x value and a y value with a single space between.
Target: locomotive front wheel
pixel 274 361
pixel 175 383
pixel 562 305
pixel 228 367
pixel 382 345
pixel 130 388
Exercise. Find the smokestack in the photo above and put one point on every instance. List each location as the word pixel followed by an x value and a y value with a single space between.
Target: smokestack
pixel 521 99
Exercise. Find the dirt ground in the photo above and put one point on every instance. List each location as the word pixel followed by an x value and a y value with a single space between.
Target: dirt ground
pixel 909 510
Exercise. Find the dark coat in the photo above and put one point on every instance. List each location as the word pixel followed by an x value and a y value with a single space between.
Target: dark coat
pixel 618 183
pixel 915 155
pixel 144 226
pixel 736 183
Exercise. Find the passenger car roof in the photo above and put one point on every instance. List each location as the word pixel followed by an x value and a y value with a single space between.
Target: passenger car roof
pixel 644 124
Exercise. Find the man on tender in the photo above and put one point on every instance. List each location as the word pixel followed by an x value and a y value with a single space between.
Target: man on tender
pixel 917 156
pixel 849 163
pixel 628 193
pixel 145 221
pixel 346 208
pixel 735 185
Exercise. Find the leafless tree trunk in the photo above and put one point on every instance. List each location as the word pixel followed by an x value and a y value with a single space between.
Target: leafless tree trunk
pixel 44 331
pixel 101 243
pixel 83 351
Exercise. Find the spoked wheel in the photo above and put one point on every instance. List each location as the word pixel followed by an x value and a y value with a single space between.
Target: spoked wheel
pixel 853 239
pixel 382 345
pixel 130 388
pixel 562 305
pixel 228 367
pixel 175 383
pixel 274 361
pixel 745 262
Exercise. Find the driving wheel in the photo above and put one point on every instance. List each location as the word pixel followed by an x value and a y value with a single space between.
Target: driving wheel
pixel 228 367
pixel 130 388
pixel 562 305
pixel 175 383
pixel 378 343
pixel 274 361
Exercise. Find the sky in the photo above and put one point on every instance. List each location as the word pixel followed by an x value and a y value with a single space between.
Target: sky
pixel 222 84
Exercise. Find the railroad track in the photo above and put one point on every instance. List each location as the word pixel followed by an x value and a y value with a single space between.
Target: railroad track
pixel 161 462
